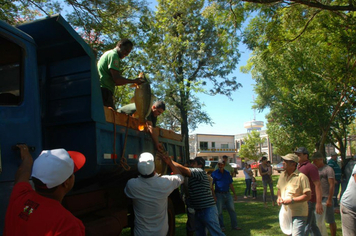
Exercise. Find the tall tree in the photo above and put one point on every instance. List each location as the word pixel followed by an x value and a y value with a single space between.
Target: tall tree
pixel 304 66
pixel 189 46
pixel 251 149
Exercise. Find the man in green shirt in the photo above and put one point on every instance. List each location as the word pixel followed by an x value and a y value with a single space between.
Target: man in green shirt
pixel 110 71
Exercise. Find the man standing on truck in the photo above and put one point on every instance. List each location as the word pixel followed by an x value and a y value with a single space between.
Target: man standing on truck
pixel 156 110
pixel 201 198
pixel 40 212
pixel 149 193
pixel 110 71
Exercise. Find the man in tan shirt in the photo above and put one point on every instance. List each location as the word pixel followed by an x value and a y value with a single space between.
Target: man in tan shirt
pixel 294 193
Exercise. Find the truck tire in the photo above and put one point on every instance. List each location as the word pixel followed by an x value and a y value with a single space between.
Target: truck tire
pixel 171 219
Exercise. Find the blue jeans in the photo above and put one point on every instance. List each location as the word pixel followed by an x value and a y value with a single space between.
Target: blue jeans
pixel 311 226
pixel 298 225
pixel 270 184
pixel 226 199
pixel 248 186
pixel 207 218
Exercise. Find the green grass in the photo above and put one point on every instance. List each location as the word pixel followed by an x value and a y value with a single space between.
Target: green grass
pixel 252 216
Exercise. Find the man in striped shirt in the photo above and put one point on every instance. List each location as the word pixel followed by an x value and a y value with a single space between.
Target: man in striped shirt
pixel 201 198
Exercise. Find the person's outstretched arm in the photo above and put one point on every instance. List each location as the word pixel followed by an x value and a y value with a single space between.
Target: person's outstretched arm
pixel 23 173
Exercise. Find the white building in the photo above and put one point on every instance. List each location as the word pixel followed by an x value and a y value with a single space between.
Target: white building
pixel 266 147
pixel 211 146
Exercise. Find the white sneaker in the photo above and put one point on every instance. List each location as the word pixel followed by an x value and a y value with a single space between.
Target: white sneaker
pixel 245 197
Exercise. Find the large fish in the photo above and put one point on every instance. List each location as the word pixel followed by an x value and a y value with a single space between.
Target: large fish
pixel 143 100
pixel 160 166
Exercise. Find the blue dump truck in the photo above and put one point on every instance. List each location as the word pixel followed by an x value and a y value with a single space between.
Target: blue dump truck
pixel 50 98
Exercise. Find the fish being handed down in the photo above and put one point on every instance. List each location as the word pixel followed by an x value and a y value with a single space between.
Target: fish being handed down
pixel 143 100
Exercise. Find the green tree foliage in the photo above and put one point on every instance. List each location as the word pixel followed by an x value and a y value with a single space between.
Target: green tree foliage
pixel 343 5
pixel 304 65
pixel 251 149
pixel 196 115
pixel 189 46
pixel 17 12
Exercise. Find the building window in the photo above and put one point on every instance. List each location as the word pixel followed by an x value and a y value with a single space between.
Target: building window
pixel 213 146
pixel 203 145
pixel 225 146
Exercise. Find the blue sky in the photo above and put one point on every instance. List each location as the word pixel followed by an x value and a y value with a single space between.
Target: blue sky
pixel 229 116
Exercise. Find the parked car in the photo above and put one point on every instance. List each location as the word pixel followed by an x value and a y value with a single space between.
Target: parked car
pixel 235 167
pixel 278 167
pixel 254 165
pixel 210 166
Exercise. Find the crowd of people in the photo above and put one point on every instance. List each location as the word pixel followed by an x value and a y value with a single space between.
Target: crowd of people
pixel 308 191
pixel 306 188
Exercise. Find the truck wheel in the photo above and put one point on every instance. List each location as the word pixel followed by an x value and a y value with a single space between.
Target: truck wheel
pixel 171 219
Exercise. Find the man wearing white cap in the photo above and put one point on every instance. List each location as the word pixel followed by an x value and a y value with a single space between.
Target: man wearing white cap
pixel 149 193
pixel 40 212
pixel 294 193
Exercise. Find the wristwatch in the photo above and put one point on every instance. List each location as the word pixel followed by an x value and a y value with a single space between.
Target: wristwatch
pixel 292 200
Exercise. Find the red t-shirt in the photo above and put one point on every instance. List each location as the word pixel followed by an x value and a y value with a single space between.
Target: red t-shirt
pixel 30 214
pixel 312 172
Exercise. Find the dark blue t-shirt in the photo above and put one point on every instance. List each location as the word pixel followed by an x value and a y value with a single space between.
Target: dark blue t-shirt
pixel 222 181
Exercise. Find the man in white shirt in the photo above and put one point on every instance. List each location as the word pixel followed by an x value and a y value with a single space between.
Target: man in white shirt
pixel 149 193
pixel 348 206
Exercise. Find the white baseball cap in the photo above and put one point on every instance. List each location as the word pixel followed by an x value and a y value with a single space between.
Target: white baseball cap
pixel 55 166
pixel 146 163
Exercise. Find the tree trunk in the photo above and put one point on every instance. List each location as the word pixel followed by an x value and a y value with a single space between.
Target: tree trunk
pixel 185 130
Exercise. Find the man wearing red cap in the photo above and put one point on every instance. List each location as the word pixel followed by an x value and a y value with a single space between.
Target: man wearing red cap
pixel 40 212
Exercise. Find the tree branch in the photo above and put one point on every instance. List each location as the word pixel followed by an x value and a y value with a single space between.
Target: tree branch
pixel 313 4
pixel 305 27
